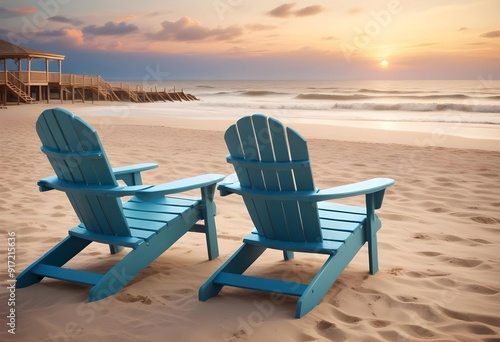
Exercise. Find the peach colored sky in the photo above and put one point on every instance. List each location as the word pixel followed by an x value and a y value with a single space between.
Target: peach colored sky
pixel 245 39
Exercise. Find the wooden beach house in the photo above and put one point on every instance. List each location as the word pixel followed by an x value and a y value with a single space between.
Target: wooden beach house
pixel 24 84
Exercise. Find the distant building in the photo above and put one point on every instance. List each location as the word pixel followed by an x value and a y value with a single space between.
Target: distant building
pixel 23 84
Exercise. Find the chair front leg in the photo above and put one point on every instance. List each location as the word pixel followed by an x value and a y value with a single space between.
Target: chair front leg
pixel 371 233
pixel 208 212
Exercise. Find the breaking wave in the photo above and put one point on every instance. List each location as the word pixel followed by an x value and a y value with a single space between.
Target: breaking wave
pixel 406 97
pixel 420 107
pixel 261 93
pixel 369 106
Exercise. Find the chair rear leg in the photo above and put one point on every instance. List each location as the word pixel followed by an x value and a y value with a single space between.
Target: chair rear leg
pixel 288 255
pixel 115 249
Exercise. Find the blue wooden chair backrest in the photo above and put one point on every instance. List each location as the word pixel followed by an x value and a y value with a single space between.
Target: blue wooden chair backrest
pixel 78 158
pixel 268 156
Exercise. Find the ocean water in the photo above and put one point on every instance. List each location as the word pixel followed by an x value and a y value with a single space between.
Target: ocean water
pixel 468 101
pixel 467 109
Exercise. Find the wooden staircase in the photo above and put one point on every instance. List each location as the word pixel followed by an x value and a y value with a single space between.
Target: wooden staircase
pixel 21 93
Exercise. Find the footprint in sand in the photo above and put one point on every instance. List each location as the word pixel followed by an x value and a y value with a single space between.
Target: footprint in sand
pixel 330 331
pixel 128 298
pixel 430 253
pixel 379 323
pixel 442 179
pixel 396 271
pixel 485 242
pixel 240 335
pixel 476 288
pixel 426 274
pixel 59 214
pixel 324 325
pixel 184 291
pixel 451 238
pixel 462 262
pixel 438 210
pixel 486 318
pixel 421 236
pixel 407 299
pixel 481 329
pixel 484 219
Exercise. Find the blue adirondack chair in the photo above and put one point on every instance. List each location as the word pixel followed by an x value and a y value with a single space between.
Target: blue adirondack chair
pixel 148 223
pixel 275 180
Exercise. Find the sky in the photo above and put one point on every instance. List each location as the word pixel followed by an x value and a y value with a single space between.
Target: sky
pixel 262 39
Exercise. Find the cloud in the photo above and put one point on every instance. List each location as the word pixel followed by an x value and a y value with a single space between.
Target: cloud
pixel 422 45
pixel 65 20
pixel 110 29
pixel 491 34
pixel 186 29
pixel 309 10
pixel 282 11
pixel 286 10
pixel 6 13
pixel 24 10
pixel 260 27
pixel 478 43
pixel 463 28
pixel 74 36
pixel 330 38
pixel 65 36
pixel 51 33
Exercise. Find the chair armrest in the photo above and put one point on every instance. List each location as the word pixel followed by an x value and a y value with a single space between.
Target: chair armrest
pixel 131 174
pixel 53 182
pixel 370 186
pixel 180 185
pixel 361 188
pixel 231 179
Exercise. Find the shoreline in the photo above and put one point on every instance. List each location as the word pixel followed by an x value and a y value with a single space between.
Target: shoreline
pixel 187 115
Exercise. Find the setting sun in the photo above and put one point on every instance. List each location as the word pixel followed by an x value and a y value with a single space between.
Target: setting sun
pixel 384 64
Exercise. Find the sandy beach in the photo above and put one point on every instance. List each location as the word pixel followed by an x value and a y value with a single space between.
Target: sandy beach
pixel 438 246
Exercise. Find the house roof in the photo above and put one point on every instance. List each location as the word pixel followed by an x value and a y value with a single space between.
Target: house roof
pixel 9 50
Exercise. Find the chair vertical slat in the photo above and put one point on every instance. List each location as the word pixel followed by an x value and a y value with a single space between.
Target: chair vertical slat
pixel 275 209
pixel 88 140
pixel 232 139
pixel 290 209
pixel 49 138
pixel 303 182
pixel 67 123
pixel 250 152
